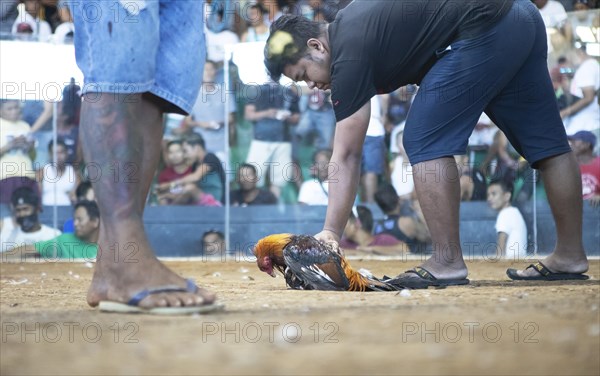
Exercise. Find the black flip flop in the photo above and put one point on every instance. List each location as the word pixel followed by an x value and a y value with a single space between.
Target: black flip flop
pixel 423 280
pixel 545 274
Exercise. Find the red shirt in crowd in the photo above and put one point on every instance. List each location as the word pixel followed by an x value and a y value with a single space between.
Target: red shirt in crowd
pixel 590 178
pixel 169 174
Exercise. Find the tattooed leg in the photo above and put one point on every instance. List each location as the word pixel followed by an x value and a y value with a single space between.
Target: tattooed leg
pixel 121 138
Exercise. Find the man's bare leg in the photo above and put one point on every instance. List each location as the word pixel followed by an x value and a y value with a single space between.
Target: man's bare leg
pixel 438 189
pixel 562 181
pixel 121 138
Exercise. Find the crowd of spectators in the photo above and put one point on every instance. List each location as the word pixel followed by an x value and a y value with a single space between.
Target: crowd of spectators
pixel 282 135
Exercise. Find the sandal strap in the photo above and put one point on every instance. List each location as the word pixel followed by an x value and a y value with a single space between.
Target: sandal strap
pixel 137 298
pixel 423 273
pixel 540 268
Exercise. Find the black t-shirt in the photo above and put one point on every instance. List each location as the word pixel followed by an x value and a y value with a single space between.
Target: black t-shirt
pixel 378 46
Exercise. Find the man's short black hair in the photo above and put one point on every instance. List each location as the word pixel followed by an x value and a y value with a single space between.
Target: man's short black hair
pixel 365 217
pixel 59 141
pixel 387 198
pixel 90 207
pixel 505 185
pixel 287 42
pixel 82 189
pixel 248 165
pixel 195 139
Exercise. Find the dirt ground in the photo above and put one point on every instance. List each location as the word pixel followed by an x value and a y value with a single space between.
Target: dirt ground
pixel 493 326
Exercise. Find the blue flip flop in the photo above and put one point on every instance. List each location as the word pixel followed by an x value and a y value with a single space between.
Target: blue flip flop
pixel 132 306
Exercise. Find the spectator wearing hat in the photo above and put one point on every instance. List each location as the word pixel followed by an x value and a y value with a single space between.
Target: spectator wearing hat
pixel 583 143
pixel 24 226
pixel 78 245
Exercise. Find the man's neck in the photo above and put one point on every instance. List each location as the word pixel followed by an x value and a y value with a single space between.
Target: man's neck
pixel 180 168
pixel 37 228
pixel 585 158
pixel 250 195
pixel 93 238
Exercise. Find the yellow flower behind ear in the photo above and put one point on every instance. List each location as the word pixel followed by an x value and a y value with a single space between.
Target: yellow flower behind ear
pixel 278 43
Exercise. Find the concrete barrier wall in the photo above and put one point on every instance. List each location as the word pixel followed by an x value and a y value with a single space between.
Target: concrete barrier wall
pixel 177 230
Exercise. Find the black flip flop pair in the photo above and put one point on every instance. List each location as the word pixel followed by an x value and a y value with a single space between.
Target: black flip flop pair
pixel 421 278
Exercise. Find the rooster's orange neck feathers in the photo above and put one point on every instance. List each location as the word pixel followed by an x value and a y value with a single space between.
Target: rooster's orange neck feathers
pixel 272 246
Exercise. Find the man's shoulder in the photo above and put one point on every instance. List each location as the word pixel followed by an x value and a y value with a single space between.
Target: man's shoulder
pixel 49 230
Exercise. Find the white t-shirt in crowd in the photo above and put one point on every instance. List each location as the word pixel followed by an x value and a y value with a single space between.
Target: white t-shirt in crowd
pixel 588 118
pixel 12 236
pixel 216 42
pixel 511 222
pixel 376 128
pixel 402 176
pixel 554 14
pixel 313 192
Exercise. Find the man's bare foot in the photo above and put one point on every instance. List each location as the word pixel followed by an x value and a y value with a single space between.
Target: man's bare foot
pixel 119 282
pixel 558 264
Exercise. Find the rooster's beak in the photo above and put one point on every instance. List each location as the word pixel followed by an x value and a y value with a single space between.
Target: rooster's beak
pixel 273 274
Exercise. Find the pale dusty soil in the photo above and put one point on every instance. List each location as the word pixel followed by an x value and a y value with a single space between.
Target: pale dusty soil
pixel 492 326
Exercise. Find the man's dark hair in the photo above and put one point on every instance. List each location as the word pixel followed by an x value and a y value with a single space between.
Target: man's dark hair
pixel 82 189
pixel 195 139
pixel 287 42
pixel 365 217
pixel 174 142
pixel 59 141
pixel 90 207
pixel 387 198
pixel 219 234
pixel 259 7
pixel 506 186
pixel 248 165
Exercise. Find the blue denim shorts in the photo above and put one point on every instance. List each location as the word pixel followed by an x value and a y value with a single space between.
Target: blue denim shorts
pixel 503 72
pixel 127 47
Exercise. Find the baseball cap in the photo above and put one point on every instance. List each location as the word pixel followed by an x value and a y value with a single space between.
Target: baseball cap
pixel 585 136
pixel 25 195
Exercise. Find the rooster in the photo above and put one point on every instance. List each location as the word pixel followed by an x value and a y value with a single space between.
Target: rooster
pixel 309 264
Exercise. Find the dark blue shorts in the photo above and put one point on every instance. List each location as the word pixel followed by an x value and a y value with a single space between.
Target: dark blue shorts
pixel 502 72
